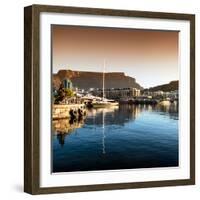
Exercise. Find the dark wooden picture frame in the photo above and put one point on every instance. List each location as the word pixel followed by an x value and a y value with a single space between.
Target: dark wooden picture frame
pixel 32 93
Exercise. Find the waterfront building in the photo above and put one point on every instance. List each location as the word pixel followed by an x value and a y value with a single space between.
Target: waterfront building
pixel 136 92
pixel 67 84
pixel 173 94
pixel 118 93
pixel 159 93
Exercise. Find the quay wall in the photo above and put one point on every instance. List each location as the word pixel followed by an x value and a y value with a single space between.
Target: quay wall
pixel 62 111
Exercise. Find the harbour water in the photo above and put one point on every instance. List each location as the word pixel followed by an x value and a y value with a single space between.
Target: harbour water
pixel 124 137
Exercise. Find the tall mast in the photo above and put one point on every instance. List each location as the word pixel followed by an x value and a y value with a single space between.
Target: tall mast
pixel 104 65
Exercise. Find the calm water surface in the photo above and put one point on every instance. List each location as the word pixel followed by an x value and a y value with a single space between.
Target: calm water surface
pixel 123 137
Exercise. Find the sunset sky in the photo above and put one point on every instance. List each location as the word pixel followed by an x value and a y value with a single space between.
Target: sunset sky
pixel 149 56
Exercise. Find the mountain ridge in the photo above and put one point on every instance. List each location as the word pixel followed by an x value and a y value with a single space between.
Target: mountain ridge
pixel 87 80
pixel 171 86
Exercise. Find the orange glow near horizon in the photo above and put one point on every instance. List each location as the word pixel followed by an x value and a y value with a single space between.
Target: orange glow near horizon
pixel 149 56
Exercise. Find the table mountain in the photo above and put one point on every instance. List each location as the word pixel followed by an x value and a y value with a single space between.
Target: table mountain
pixel 86 80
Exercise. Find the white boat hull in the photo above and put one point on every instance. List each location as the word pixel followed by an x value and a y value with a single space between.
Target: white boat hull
pixel 106 104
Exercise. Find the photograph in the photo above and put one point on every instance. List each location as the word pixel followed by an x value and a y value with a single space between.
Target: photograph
pixel 109 99
pixel 114 98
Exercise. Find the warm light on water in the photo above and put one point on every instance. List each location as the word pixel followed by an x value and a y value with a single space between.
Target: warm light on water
pixel 122 137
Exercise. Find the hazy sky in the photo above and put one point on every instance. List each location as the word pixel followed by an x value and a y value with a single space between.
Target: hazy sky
pixel 149 56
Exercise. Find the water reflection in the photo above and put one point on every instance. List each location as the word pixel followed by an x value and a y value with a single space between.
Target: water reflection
pixel 109 116
pixel 63 127
pixel 124 137
pixel 172 109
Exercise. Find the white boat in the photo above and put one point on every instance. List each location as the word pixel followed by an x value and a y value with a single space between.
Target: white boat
pixel 104 102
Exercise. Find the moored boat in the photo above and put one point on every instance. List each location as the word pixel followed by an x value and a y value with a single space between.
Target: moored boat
pixel 104 102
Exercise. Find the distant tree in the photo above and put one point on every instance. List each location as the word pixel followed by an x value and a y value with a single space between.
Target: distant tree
pixel 69 93
pixel 60 95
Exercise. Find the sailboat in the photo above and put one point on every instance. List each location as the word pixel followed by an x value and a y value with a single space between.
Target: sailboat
pixel 104 102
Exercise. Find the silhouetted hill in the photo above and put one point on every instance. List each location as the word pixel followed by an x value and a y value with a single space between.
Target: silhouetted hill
pixel 173 85
pixel 86 80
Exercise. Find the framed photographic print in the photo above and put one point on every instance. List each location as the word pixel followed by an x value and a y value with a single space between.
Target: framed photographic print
pixel 109 99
